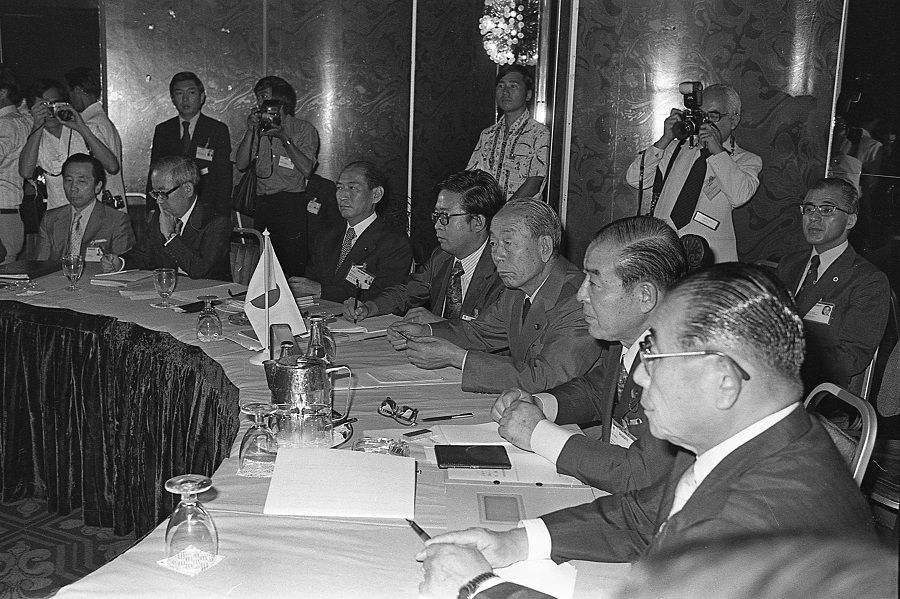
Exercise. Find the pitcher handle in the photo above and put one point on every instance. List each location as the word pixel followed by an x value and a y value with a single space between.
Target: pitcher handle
pixel 346 412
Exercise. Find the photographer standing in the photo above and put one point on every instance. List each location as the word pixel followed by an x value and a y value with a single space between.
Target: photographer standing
pixel 694 189
pixel 286 148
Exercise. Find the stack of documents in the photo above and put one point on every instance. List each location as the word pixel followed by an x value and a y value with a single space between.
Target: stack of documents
pixel 125 278
pixel 341 484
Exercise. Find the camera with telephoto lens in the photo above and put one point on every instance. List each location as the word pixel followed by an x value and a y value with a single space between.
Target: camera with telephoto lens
pixel 269 115
pixel 61 111
pixel 691 117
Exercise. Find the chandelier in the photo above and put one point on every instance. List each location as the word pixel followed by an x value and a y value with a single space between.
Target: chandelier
pixel 510 31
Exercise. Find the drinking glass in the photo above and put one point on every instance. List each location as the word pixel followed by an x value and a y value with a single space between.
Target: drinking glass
pixel 190 525
pixel 259 444
pixel 72 267
pixel 209 325
pixel 164 280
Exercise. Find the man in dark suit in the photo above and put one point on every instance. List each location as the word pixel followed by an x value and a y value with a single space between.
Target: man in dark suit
pixel 843 298
pixel 363 256
pixel 629 267
pixel 720 370
pixel 460 279
pixel 84 221
pixel 194 135
pixel 190 237
pixel 537 318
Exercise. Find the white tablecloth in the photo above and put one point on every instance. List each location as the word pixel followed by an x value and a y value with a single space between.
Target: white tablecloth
pixel 276 556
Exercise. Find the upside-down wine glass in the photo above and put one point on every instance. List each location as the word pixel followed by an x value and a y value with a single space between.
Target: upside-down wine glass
pixel 190 525
pixel 209 325
pixel 259 444
pixel 164 280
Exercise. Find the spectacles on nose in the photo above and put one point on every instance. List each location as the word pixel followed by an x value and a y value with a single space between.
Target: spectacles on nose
pixel 647 355
pixel 161 196
pixel 824 209
pixel 445 217
pixel 714 116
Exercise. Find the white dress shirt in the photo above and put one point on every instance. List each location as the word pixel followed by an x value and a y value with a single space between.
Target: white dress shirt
pixel 826 259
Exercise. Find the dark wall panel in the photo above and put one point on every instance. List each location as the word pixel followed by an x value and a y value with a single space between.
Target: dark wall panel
pixel 454 102
pixel 780 56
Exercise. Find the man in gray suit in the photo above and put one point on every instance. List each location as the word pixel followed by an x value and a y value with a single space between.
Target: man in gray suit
pixel 537 318
pixel 720 370
pixel 85 221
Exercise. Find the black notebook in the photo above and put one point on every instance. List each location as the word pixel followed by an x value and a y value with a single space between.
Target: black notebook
pixel 472 456
pixel 25 270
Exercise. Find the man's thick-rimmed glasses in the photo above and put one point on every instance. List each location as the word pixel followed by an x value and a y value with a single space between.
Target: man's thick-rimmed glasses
pixel 824 209
pixel 162 196
pixel 714 116
pixel 647 355
pixel 445 217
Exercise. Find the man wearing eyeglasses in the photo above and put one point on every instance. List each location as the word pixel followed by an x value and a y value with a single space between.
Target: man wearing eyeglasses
pixel 720 370
pixel 695 188
pixel 842 297
pixel 190 237
pixel 459 280
pixel 628 270
pixel 534 335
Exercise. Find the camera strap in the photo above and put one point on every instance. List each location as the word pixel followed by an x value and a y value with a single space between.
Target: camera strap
pixel 659 179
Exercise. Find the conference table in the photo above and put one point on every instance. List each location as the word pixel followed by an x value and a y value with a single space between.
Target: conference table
pixel 263 555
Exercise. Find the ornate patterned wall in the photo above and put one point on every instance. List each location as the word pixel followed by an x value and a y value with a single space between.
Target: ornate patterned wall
pixel 348 60
pixel 780 56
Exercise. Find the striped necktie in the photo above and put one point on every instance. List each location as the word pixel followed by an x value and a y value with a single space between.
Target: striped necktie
pixel 75 235
pixel 346 245
pixel 453 307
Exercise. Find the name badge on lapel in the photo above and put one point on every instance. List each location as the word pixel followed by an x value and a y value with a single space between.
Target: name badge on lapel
pixel 706 220
pixel 204 153
pixel 820 313
pixel 285 162
pixel 357 276
pixel 619 436
pixel 313 206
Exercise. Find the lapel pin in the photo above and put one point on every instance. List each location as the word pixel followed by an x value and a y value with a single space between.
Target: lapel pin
pixel 835 280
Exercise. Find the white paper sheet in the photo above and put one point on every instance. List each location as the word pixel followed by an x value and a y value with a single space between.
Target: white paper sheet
pixel 342 484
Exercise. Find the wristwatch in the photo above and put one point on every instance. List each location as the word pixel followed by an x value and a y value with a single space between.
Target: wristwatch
pixel 467 591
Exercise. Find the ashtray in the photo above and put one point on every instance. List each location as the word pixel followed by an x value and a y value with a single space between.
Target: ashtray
pixel 382 445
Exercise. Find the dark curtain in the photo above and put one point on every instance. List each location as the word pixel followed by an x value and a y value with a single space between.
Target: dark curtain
pixel 99 413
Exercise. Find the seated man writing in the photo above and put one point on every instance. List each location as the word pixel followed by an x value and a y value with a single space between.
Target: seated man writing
pixel 84 221
pixel 363 256
pixel 629 267
pixel 720 370
pixel 537 319
pixel 459 279
pixel 190 235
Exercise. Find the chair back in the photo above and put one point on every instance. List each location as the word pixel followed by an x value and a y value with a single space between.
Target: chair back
pixel 697 250
pixel 244 254
pixel 857 452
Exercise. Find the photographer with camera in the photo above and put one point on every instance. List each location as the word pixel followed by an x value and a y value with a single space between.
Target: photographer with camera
pixel 58 131
pixel 696 171
pixel 13 132
pixel 285 148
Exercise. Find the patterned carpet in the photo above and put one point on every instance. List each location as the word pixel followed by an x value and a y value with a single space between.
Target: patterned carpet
pixel 40 552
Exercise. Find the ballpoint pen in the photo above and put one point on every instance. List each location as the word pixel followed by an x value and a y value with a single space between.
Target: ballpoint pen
pixel 448 417
pixel 422 534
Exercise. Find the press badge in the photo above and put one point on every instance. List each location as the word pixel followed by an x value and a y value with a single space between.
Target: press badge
pixel 706 220
pixel 92 253
pixel 820 313
pixel 359 277
pixel 204 153
pixel 619 436
pixel 313 206
pixel 285 162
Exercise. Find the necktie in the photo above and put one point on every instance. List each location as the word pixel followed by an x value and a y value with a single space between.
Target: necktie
pixel 349 236
pixel 185 139
pixel 683 210
pixel 659 180
pixel 623 377
pixel 453 306
pixel 75 236
pixel 683 490
pixel 812 275
pixel 178 226
pixel 525 308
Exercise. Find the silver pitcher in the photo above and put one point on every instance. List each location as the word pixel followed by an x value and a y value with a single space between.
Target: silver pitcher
pixel 302 389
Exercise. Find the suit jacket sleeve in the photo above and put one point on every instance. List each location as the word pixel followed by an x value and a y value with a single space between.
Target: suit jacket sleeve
pixel 155 152
pixel 579 399
pixel 511 590
pixel 199 260
pixel 221 170
pixel 738 176
pixel 43 247
pixel 613 468
pixel 415 292
pixel 122 236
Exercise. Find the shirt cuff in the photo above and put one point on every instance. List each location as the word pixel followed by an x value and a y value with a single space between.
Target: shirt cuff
pixel 487 584
pixel 548 404
pixel 169 240
pixel 548 440
pixel 122 260
pixel 539 543
pixel 463 367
